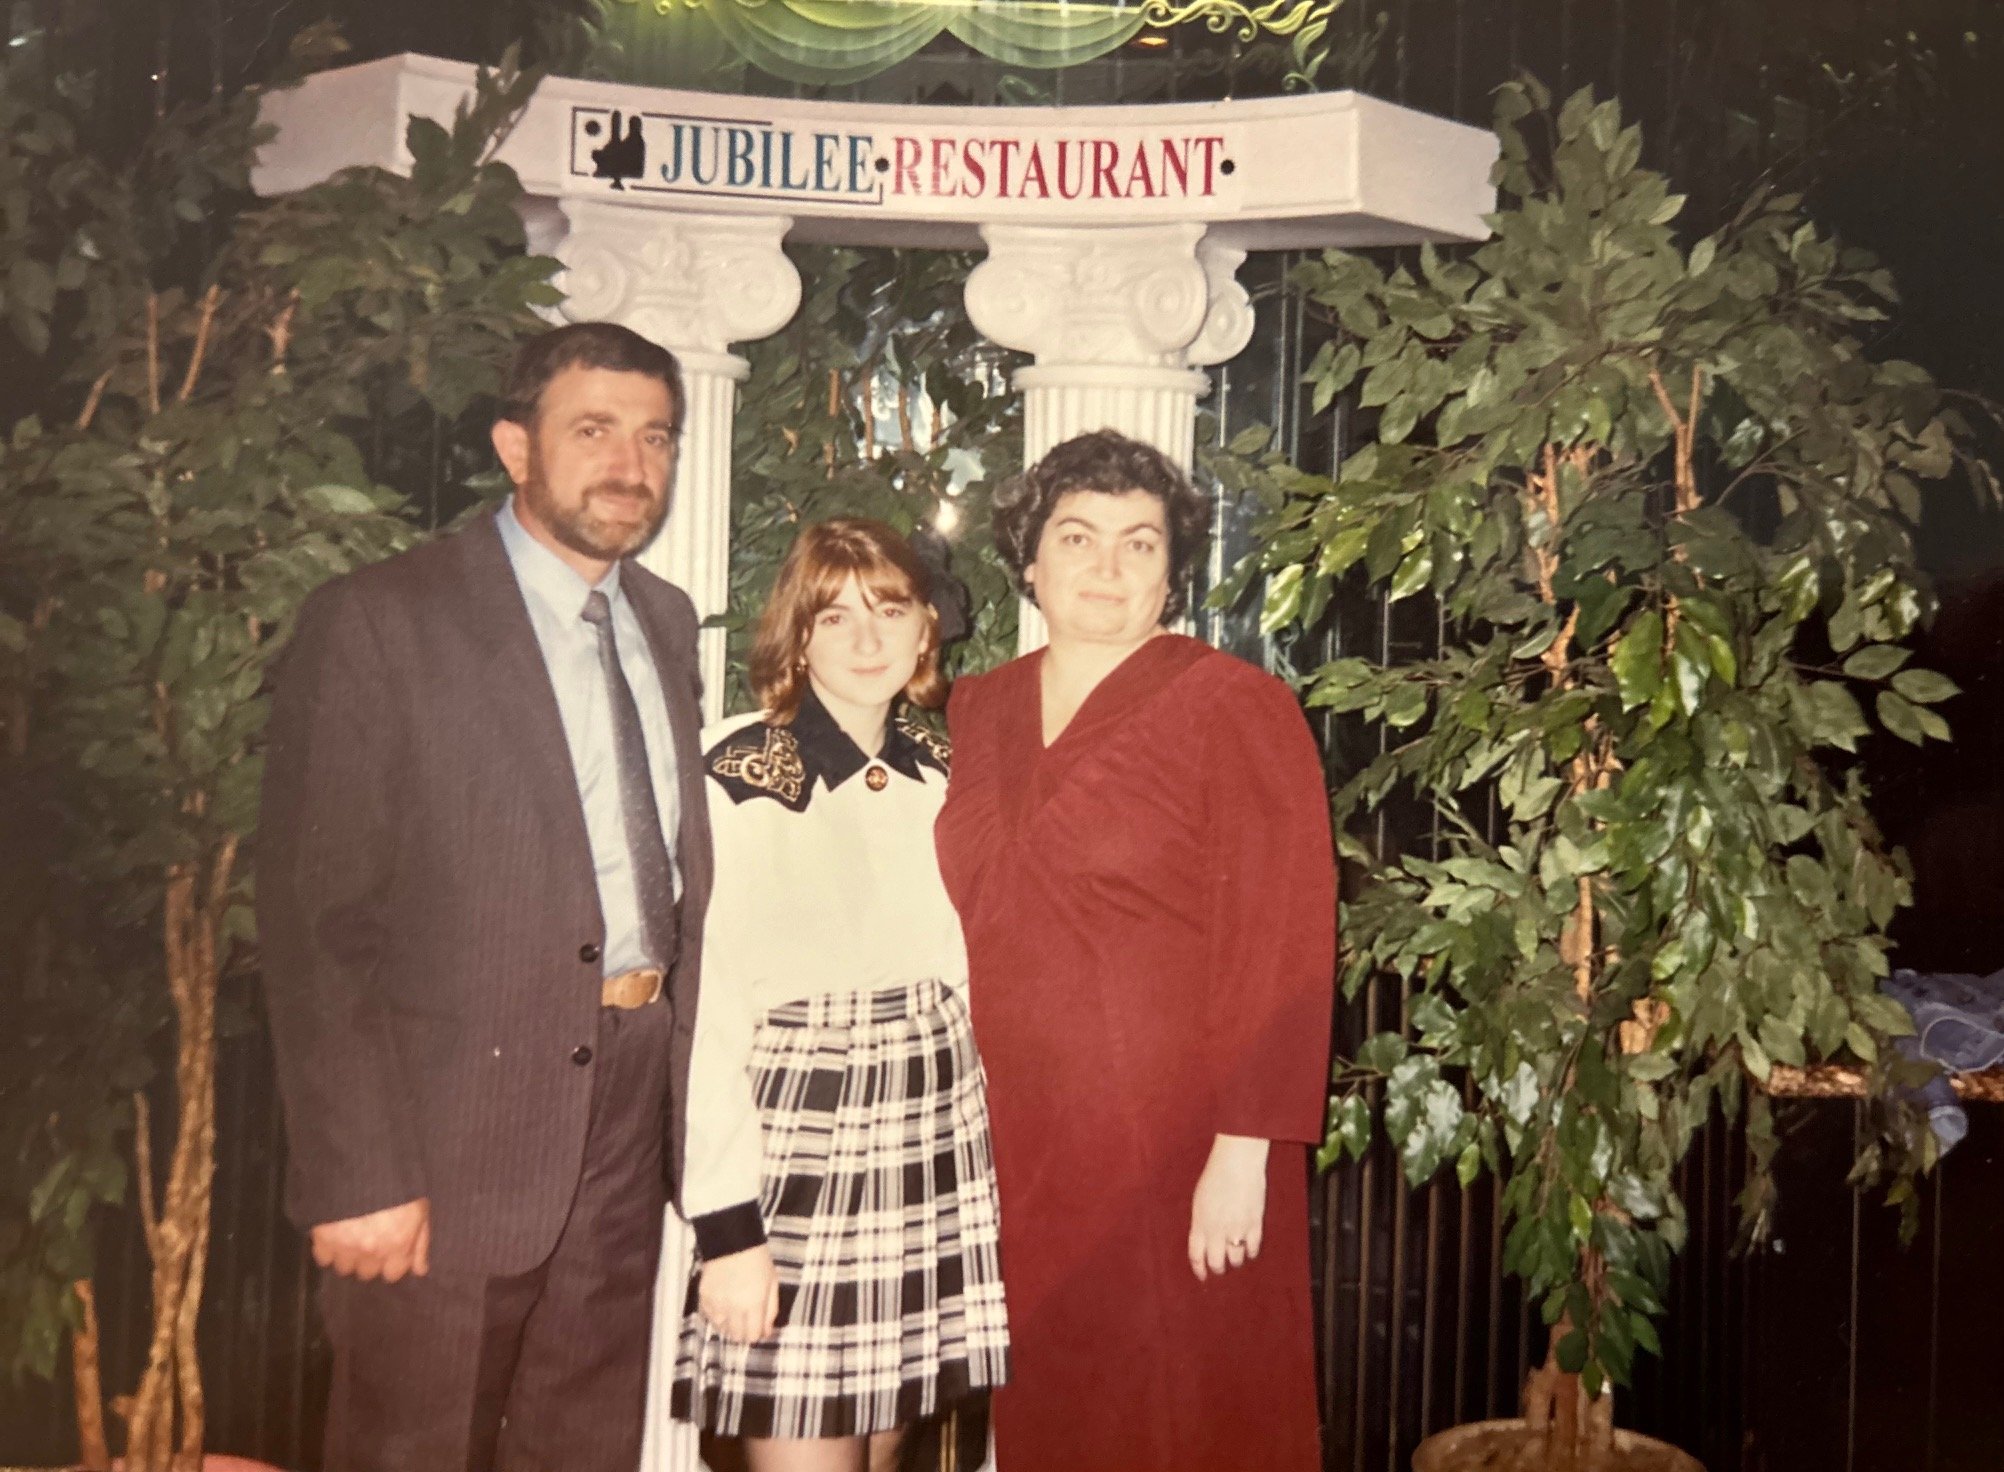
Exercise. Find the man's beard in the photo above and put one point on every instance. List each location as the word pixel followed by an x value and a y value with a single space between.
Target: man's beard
pixel 582 530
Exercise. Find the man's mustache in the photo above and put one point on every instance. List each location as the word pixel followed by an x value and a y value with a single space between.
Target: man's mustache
pixel 620 488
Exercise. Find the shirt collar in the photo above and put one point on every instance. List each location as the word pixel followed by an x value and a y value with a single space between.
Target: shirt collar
pixel 545 574
pixel 829 752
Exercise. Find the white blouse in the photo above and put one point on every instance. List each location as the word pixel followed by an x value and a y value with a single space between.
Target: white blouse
pixel 826 881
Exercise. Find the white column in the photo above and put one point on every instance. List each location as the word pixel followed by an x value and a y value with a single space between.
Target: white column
pixel 1119 318
pixel 694 283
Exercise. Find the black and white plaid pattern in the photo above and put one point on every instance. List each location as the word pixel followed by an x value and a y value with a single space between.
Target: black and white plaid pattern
pixel 879 1203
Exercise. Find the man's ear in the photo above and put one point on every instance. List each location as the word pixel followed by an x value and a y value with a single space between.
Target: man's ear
pixel 511 443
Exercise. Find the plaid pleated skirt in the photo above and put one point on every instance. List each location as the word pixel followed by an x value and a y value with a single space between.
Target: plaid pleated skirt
pixel 879 1204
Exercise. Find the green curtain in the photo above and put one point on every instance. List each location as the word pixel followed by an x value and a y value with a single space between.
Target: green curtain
pixel 684 42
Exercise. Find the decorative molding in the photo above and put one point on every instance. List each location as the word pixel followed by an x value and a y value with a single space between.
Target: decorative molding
pixel 692 282
pixel 1275 17
pixel 1228 321
pixel 1134 295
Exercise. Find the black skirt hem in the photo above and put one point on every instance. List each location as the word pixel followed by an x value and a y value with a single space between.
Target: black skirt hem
pixel 759 1414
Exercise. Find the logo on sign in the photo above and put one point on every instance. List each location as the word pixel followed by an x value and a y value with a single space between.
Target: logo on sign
pixel 673 153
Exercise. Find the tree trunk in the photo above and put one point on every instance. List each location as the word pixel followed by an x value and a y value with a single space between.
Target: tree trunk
pixel 1579 1431
pixel 177 1236
pixel 87 1381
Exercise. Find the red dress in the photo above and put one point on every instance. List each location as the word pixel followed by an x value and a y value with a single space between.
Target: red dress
pixel 1150 910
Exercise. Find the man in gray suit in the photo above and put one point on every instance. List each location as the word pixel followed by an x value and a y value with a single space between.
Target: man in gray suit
pixel 483 862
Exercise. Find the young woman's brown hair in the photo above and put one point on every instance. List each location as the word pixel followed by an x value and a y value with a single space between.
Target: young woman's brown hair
pixel 817 568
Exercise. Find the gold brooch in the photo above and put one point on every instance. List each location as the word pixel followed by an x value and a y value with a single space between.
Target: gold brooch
pixel 876 778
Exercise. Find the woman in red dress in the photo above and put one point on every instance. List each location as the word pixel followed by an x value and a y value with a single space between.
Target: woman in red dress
pixel 1137 840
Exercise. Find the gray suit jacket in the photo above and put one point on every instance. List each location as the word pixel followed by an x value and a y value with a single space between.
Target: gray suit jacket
pixel 427 913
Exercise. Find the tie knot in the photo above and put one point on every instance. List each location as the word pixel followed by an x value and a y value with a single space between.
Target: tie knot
pixel 598 607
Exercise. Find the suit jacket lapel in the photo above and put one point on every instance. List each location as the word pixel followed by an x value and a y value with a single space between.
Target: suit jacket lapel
pixel 517 683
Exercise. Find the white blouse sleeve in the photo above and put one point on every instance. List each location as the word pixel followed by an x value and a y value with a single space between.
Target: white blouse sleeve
pixel 722 1138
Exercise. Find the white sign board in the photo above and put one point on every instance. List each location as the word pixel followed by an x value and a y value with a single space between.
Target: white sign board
pixel 944 160
pixel 1266 173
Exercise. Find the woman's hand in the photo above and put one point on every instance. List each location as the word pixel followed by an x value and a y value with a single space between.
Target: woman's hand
pixel 1229 1207
pixel 739 1294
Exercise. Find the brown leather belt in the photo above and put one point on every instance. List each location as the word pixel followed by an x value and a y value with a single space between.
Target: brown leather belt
pixel 632 989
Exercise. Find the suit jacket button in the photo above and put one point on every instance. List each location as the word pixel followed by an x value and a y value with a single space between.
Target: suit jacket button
pixel 588 952
pixel 581 1055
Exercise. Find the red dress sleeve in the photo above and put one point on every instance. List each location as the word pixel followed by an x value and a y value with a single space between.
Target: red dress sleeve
pixel 1273 913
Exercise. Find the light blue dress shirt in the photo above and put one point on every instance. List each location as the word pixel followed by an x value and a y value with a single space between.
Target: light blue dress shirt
pixel 555 595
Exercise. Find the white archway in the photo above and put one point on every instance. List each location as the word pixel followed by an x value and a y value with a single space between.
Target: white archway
pixel 1113 234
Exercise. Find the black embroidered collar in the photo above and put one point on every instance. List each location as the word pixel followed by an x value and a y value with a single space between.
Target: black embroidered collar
pixel 782 762
pixel 831 754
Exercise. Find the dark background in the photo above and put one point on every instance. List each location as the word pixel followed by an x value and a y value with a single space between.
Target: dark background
pixel 1833 1347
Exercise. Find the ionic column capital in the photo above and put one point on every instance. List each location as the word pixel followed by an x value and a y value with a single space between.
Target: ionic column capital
pixel 1159 296
pixel 694 283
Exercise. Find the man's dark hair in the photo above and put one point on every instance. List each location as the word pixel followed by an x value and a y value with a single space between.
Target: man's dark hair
pixel 1102 461
pixel 585 345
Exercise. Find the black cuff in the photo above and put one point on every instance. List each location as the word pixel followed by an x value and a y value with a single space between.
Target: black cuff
pixel 734 1229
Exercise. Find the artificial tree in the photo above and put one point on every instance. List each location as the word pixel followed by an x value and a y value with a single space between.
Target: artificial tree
pixel 878 399
pixel 1663 498
pixel 206 471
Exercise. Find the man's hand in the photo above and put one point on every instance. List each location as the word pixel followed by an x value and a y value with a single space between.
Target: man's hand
pixel 384 1244
pixel 1229 1207
pixel 739 1294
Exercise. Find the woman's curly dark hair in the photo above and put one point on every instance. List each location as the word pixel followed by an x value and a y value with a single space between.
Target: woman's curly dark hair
pixel 1102 460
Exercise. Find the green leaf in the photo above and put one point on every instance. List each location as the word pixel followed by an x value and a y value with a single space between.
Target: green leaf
pixel 1351 1128
pixel 1468 1165
pixel 1645 1334
pixel 1782 1042
pixel 1638 660
pixel 1691 663
pixel 1283 599
pixel 1250 441
pixel 1925 687
pixel 1898 715
pixel 56 1179
pixel 1875 661
pixel 1405 705
pixel 1413 573
pixel 1579 1215
pixel 1381 1053
pixel 1834 717
pixel 340 500
pixel 1725 664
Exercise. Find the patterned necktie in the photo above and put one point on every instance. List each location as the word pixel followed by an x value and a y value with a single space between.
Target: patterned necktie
pixel 652 877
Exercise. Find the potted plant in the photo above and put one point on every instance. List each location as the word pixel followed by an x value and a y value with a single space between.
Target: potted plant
pixel 1663 498
pixel 201 472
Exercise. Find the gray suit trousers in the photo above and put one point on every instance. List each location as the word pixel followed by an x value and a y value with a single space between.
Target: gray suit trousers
pixel 543 1371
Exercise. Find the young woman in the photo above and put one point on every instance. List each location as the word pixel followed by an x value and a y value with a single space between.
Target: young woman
pixel 838 1172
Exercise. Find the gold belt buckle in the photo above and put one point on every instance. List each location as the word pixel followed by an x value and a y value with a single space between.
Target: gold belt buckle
pixel 632 989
